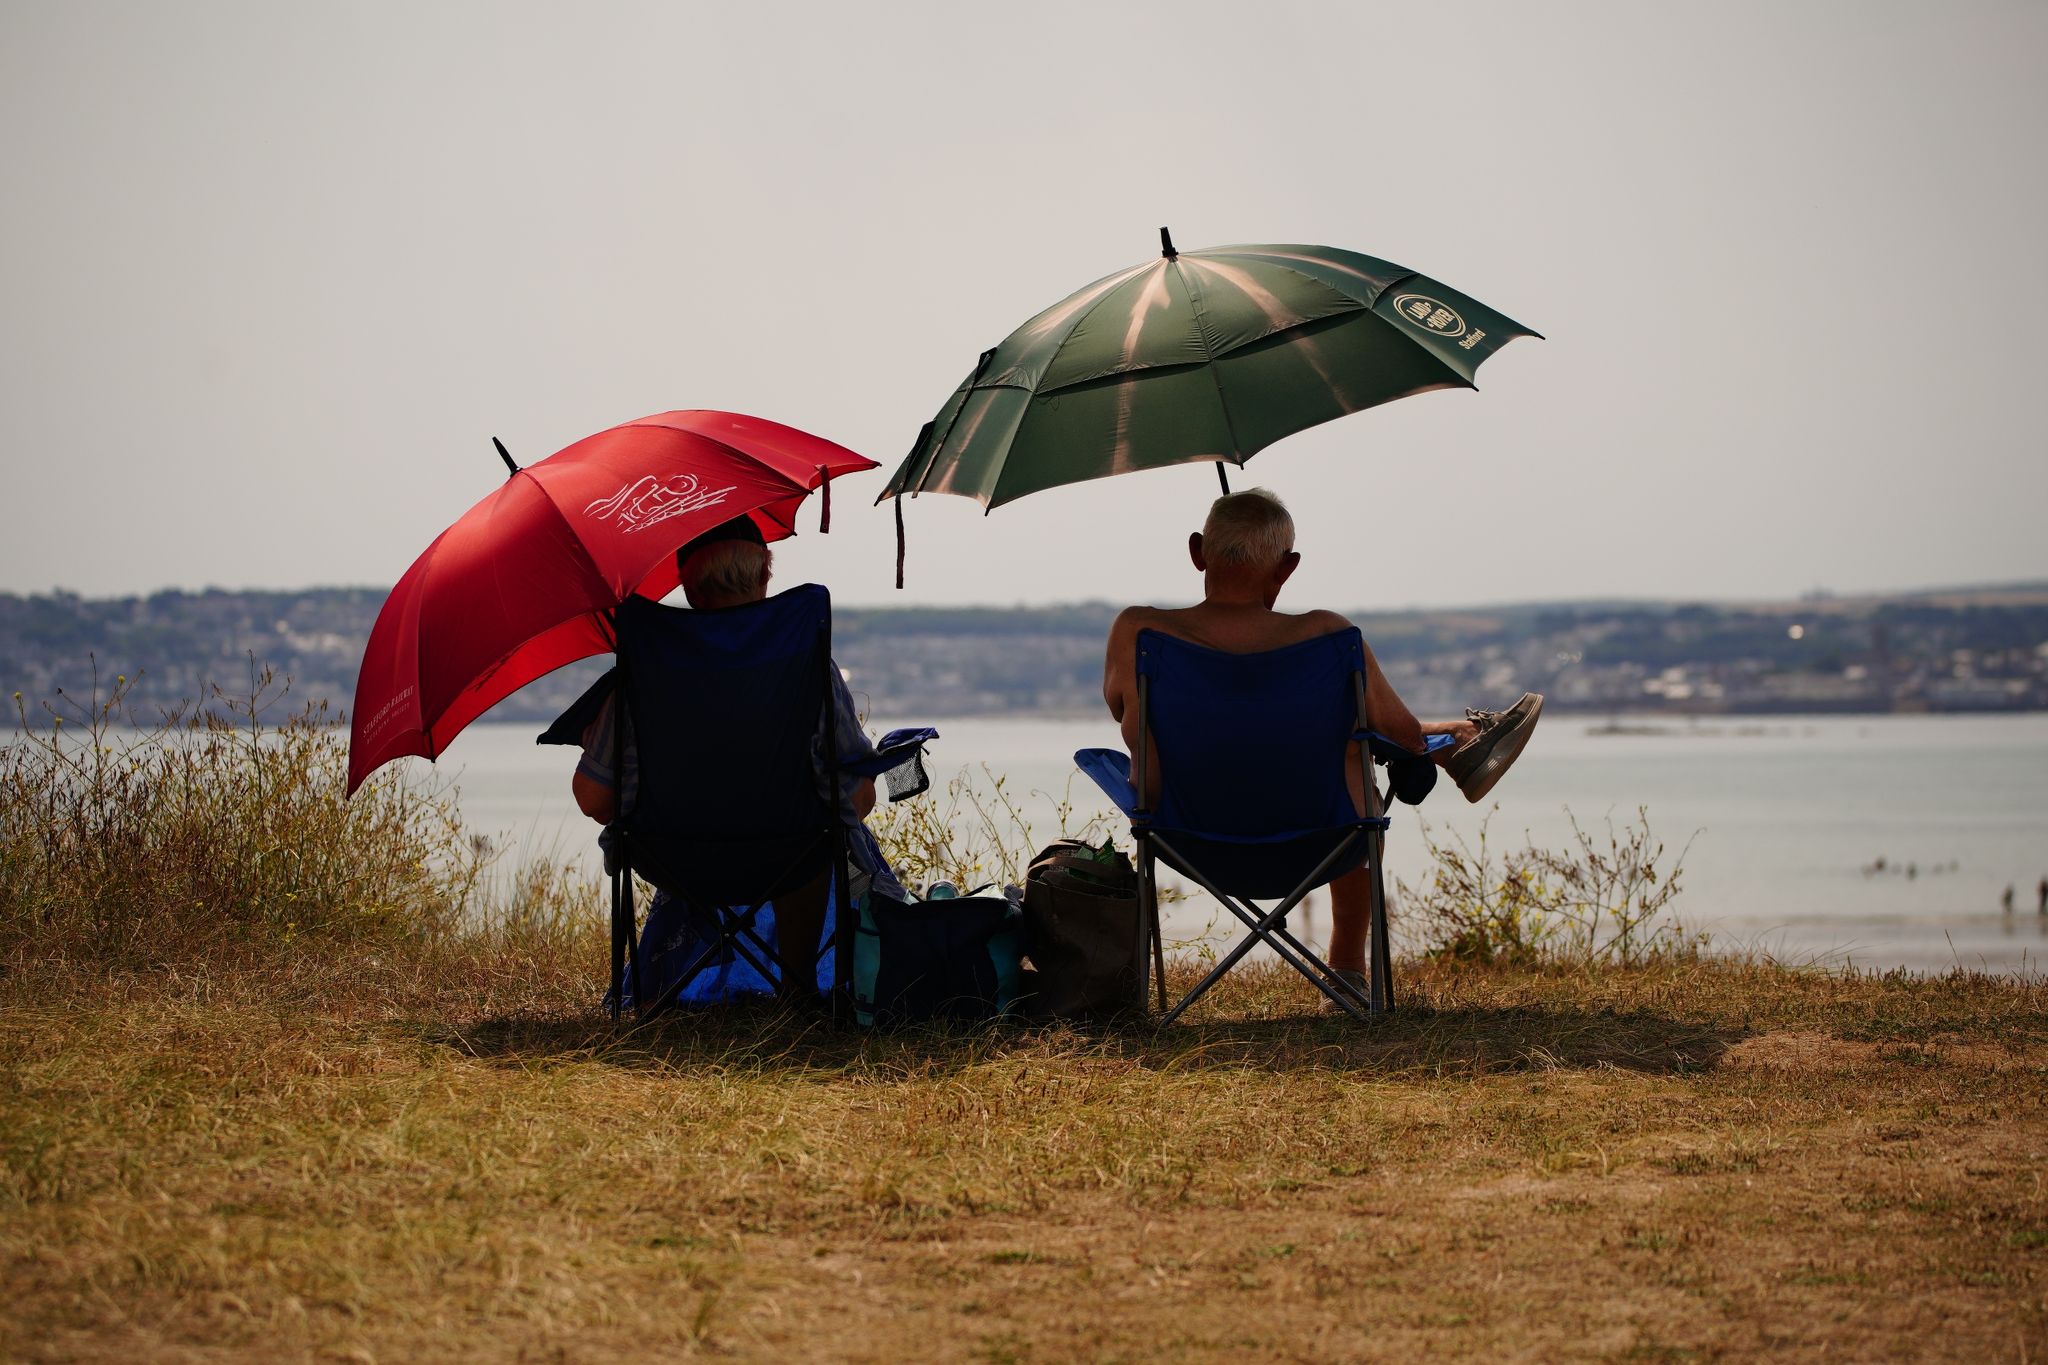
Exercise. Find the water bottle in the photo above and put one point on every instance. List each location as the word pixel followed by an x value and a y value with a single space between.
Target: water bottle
pixel 941 891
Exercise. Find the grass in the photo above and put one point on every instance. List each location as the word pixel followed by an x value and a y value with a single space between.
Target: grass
pixel 453 1155
pixel 384 1119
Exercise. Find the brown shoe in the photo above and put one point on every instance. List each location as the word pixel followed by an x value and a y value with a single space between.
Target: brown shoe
pixel 1357 982
pixel 1479 762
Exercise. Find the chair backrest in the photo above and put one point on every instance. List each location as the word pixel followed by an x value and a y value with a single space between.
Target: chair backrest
pixel 1252 746
pixel 724 707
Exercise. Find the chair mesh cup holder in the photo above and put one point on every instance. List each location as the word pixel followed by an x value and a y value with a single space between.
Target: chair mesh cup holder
pixel 908 778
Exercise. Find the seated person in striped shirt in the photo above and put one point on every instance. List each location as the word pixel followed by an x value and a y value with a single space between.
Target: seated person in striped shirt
pixel 729 566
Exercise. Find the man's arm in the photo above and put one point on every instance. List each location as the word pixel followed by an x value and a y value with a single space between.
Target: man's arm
pixel 593 798
pixel 852 744
pixel 1120 689
pixel 1120 672
pixel 1386 712
pixel 1384 709
pixel 594 783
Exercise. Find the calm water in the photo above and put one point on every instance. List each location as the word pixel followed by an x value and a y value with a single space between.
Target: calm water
pixel 1784 816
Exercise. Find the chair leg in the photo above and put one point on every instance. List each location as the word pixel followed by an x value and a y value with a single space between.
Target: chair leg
pixel 1216 973
pixel 845 921
pixel 688 974
pixel 1278 932
pixel 622 890
pixel 1158 949
pixel 1151 952
pixel 1271 929
pixel 1320 973
pixel 739 932
pixel 731 927
pixel 633 970
pixel 1381 959
pixel 1259 927
pixel 1296 954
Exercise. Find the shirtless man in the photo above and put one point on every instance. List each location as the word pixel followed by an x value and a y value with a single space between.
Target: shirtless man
pixel 1246 553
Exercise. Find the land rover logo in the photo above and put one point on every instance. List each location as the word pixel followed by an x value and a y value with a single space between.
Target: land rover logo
pixel 1430 315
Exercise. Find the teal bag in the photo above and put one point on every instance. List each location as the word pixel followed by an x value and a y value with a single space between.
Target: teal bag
pixel 946 959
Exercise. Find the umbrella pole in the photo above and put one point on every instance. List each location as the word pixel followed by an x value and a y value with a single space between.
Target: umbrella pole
pixel 1223 478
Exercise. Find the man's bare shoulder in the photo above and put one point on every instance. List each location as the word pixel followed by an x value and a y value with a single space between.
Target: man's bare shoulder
pixel 1234 630
pixel 1138 618
pixel 1168 620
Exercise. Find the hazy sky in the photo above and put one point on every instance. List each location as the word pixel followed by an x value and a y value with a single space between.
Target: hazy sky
pixel 272 274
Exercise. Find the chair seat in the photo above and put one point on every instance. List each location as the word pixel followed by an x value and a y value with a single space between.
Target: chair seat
pixel 731 871
pixel 1110 770
pixel 1265 869
pixel 1249 864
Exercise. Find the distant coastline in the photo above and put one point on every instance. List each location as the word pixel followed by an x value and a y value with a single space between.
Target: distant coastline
pixel 1979 649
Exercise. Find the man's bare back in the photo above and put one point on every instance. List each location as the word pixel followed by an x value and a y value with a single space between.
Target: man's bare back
pixel 1233 628
pixel 1238 627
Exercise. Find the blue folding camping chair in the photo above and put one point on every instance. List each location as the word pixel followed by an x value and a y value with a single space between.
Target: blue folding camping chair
pixel 1252 753
pixel 722 709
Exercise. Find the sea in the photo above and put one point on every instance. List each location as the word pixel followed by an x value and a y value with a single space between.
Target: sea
pixel 1874 842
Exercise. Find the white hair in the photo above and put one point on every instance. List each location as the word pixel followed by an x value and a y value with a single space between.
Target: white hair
pixel 728 568
pixel 1251 527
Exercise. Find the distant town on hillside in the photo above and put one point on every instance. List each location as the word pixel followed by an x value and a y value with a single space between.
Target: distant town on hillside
pixel 1982 649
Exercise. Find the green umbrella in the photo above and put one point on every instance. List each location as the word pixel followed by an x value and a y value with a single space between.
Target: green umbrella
pixel 1196 356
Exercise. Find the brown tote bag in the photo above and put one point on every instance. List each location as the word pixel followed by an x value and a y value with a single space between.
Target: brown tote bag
pixel 1081 933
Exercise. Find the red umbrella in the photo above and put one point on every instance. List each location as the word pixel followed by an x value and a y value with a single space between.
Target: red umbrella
pixel 522 583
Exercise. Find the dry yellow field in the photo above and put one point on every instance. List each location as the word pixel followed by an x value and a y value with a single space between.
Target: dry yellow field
pixel 455 1158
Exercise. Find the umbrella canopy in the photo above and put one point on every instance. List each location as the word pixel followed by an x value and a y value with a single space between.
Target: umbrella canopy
pixel 1197 356
pixel 522 583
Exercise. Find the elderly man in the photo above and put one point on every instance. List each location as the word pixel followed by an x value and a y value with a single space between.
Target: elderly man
pixel 1246 553
pixel 729 566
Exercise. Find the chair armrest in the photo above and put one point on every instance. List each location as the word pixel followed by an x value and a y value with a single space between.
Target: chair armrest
pixel 896 748
pixel 568 727
pixel 898 763
pixel 1384 750
pixel 1110 769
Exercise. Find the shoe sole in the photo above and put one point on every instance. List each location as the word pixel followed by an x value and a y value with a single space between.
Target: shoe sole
pixel 1496 764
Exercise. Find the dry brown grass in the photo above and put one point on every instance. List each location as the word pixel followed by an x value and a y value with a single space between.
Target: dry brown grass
pixel 448 1154
pixel 214 834
pixel 285 1076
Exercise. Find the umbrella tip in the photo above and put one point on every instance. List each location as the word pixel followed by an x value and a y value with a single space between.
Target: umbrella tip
pixel 1166 245
pixel 511 466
